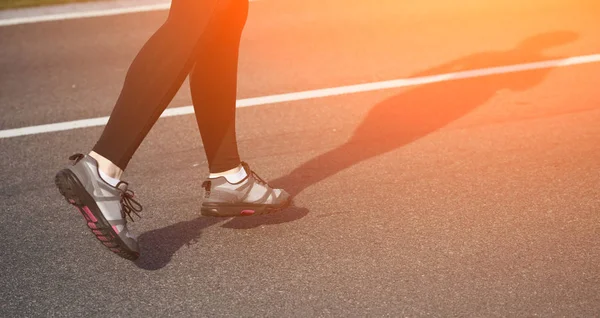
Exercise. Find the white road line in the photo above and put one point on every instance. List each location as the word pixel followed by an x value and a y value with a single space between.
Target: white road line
pixel 86 14
pixel 318 93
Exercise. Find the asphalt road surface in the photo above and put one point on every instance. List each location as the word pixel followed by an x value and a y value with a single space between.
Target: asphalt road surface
pixel 477 197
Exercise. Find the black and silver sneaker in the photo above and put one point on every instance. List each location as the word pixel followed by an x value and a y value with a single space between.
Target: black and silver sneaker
pixel 104 207
pixel 251 196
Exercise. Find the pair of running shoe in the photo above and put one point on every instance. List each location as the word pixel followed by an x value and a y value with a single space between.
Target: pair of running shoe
pixel 106 208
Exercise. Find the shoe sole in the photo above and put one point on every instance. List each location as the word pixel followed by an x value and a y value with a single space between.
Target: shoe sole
pixel 232 210
pixel 74 192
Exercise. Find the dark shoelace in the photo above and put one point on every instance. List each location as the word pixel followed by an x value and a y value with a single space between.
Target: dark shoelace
pixel 128 203
pixel 259 179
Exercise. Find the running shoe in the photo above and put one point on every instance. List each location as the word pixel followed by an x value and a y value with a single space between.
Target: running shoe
pixel 104 207
pixel 251 196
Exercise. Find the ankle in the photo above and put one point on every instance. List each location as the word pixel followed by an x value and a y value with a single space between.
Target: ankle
pixel 224 173
pixel 234 175
pixel 106 166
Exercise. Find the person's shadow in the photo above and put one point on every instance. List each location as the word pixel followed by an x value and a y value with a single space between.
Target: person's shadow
pixel 422 110
pixel 158 246
pixel 389 125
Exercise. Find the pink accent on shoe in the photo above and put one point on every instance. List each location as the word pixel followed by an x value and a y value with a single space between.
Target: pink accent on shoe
pixel 103 238
pixel 116 250
pixel 247 212
pixel 92 226
pixel 115 229
pixel 97 232
pixel 90 214
pixel 81 211
pixel 71 201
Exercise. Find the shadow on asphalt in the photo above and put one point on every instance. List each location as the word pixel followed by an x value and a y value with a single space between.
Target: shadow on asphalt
pixel 158 246
pixel 419 111
pixel 389 125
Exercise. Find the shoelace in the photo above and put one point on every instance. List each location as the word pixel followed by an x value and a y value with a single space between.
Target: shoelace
pixel 128 203
pixel 259 179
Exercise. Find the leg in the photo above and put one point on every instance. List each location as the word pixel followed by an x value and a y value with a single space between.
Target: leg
pixel 153 78
pixel 232 188
pixel 213 82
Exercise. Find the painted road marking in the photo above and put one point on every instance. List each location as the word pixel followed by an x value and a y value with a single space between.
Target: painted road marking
pixel 319 93
pixel 87 14
pixel 84 14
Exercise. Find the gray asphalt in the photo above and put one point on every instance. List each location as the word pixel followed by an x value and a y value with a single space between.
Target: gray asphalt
pixel 471 198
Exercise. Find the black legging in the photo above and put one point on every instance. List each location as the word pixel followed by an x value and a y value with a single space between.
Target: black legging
pixel 200 38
